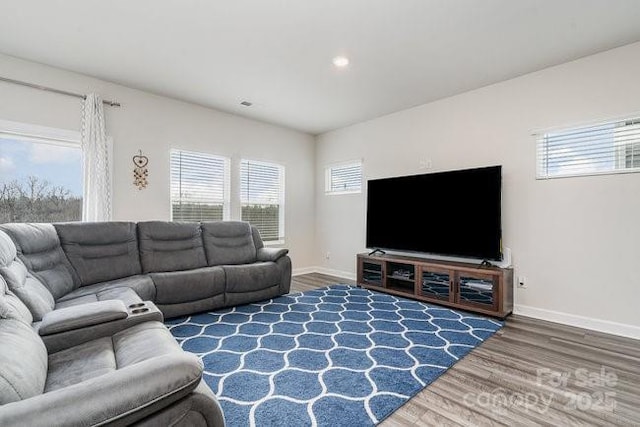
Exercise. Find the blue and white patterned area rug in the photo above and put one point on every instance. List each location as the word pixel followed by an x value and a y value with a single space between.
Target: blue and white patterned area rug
pixel 335 356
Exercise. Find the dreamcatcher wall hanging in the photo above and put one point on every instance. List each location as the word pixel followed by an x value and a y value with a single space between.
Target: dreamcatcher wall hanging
pixel 140 171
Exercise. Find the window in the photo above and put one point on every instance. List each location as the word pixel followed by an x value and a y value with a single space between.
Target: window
pixel 262 198
pixel 344 178
pixel 40 174
pixel 612 147
pixel 630 145
pixel 199 186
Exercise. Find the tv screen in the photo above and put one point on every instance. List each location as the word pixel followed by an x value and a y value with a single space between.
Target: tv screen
pixel 456 213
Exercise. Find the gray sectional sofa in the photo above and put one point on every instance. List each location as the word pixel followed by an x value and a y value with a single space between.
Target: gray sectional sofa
pixel 182 267
pixel 81 306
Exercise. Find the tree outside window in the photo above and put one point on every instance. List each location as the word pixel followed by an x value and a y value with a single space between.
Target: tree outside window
pixel 40 181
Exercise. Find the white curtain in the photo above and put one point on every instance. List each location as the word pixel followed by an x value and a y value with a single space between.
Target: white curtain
pixel 96 152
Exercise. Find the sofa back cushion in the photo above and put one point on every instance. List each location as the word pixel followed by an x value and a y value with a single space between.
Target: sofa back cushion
pixel 8 250
pixel 257 239
pixel 23 361
pixel 228 242
pixel 170 246
pixel 11 307
pixel 16 278
pixel 39 249
pixel 101 251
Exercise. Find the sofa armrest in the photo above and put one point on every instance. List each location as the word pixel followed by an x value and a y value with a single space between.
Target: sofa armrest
pixel 120 397
pixel 271 254
pixel 138 314
pixel 200 404
pixel 81 316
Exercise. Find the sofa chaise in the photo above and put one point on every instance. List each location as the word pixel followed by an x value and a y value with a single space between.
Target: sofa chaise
pixel 137 375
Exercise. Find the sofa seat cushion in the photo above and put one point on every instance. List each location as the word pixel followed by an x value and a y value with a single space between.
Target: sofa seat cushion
pixel 185 286
pixel 80 363
pixel 228 242
pixel 101 251
pixel 126 295
pixel 99 357
pixel 140 284
pixel 251 277
pixel 170 246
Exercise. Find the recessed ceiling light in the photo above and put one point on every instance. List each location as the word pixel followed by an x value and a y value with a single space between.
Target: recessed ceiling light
pixel 246 103
pixel 340 61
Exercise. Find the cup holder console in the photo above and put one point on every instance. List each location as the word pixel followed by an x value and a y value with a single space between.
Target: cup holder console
pixel 144 310
pixel 138 308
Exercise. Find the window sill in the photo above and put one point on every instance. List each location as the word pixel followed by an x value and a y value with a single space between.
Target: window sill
pixel 338 193
pixel 274 242
pixel 540 177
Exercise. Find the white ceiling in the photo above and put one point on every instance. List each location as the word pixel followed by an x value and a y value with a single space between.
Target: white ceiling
pixel 277 53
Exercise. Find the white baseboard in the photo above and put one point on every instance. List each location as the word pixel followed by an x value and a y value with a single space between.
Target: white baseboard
pixel 338 273
pixel 599 325
pixel 324 270
pixel 303 270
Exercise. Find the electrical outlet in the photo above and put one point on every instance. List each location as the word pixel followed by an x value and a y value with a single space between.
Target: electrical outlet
pixel 425 164
pixel 522 282
pixel 327 255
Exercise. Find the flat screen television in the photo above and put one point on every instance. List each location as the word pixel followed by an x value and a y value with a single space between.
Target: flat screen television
pixel 455 213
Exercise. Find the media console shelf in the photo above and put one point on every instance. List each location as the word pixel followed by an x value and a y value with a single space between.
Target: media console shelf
pixel 485 290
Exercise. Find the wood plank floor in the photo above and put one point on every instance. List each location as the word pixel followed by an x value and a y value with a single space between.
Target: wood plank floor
pixel 531 372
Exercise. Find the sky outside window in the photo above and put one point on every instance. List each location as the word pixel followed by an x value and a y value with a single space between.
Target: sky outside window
pixel 57 164
pixel 39 181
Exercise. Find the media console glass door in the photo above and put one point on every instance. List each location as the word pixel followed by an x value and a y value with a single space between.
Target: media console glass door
pixel 372 273
pixel 477 289
pixel 436 283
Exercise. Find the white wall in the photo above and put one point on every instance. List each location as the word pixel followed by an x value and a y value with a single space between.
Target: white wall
pixel 154 124
pixel 577 240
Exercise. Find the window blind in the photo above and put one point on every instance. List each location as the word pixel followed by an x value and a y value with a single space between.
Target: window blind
pixel 345 178
pixel 612 147
pixel 199 186
pixel 262 197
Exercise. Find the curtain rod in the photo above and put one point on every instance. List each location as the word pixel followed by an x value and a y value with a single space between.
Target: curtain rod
pixel 49 89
